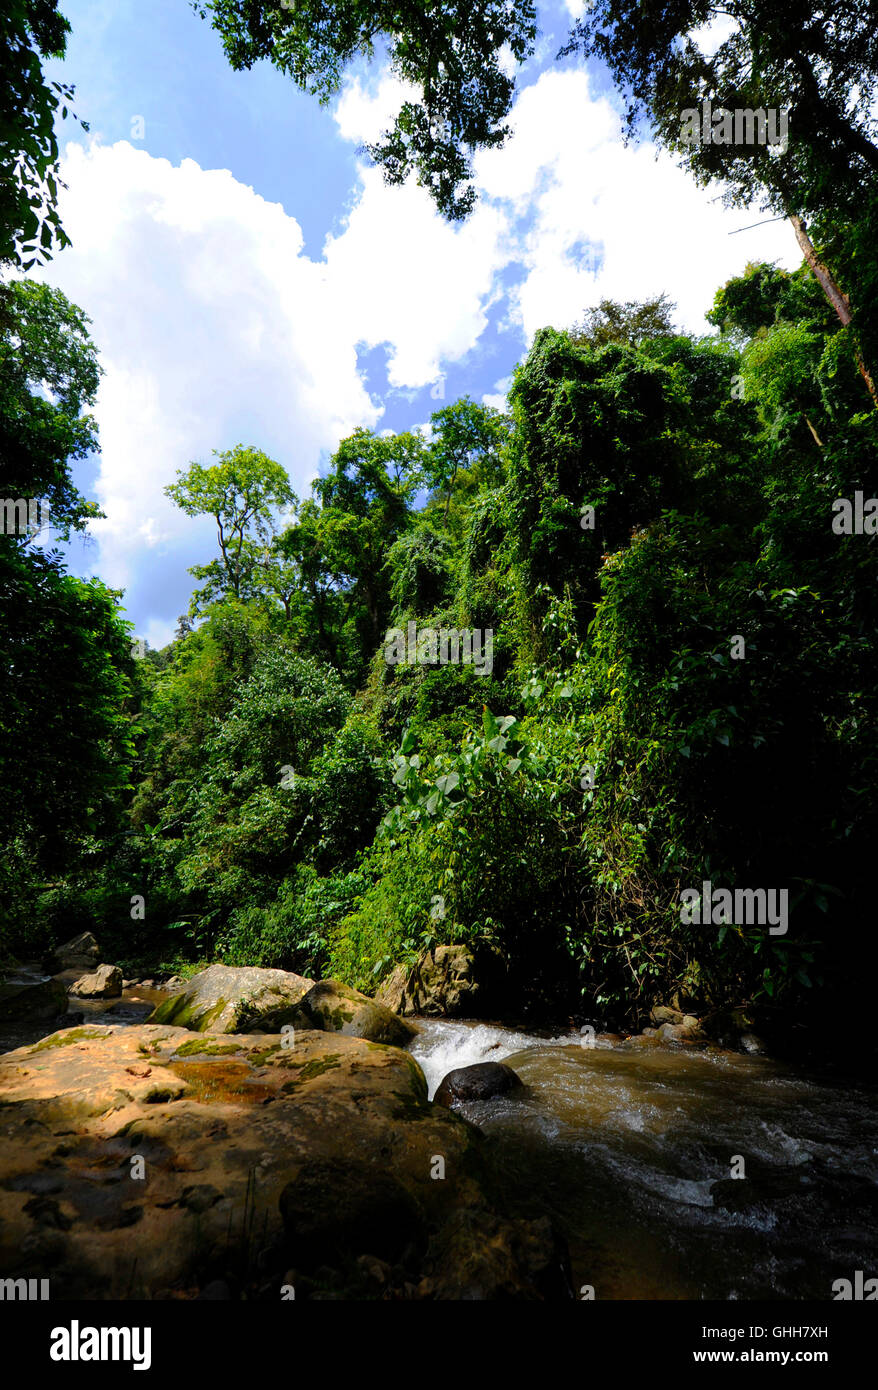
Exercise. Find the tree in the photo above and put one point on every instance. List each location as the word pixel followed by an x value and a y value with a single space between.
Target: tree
pixel 462 433
pixel 44 341
pixel 632 323
pixel 30 228
pixel 365 504
pixel 451 51
pixel 240 492
pixel 804 59
pixel 807 57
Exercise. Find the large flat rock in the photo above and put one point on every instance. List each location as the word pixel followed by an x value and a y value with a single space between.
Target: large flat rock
pixel 219 1128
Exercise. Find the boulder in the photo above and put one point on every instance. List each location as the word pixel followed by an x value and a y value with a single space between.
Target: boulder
pixel 28 1000
pixel 685 1032
pixel 447 982
pixel 235 999
pixel 661 1014
pixel 145 1160
pixel 336 1008
pixel 478 1082
pixel 79 953
pixel 105 983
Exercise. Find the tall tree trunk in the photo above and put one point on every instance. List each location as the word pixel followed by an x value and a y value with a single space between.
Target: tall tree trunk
pixel 836 296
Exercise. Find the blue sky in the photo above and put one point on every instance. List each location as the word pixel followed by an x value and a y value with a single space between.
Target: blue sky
pixel 252 280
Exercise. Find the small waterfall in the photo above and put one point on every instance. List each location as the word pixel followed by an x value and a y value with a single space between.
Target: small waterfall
pixel 441 1046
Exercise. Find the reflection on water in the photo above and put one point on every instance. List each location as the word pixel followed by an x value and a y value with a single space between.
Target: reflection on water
pixel 133 1006
pixel 631 1147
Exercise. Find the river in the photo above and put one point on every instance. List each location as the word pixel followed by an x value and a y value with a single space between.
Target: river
pixel 624 1142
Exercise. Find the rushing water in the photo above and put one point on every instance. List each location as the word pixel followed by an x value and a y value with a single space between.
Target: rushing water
pixel 623 1144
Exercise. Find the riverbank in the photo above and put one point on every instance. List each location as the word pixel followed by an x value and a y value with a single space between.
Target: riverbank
pixel 660 1167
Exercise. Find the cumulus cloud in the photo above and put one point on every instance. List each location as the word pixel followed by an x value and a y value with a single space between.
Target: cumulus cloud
pixel 591 218
pixel 216 328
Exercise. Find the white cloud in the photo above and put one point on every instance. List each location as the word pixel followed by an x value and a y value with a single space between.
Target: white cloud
pixel 216 328
pixel 710 35
pixel 369 104
pixel 575 193
pixel 498 397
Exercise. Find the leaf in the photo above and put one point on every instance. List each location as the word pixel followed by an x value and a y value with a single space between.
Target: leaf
pixel 447 784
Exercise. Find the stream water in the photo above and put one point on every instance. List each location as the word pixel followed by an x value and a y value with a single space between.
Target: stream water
pixel 630 1146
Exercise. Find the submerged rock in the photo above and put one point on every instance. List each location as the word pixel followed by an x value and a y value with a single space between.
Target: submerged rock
pixel 336 1008
pixel 105 983
pixel 481 1081
pixel 235 999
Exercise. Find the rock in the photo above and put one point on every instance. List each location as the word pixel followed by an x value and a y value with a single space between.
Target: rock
pixel 105 983
pixel 79 953
pixel 661 1014
pixel 478 1082
pixel 447 982
pixel 336 1008
pixel 217 1290
pixel 165 1160
pixel 374 1271
pixel 392 993
pixel 28 1000
pixel 681 1032
pixel 235 999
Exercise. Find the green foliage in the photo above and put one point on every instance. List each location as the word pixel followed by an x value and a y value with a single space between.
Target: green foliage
pixel 30 228
pixel 44 340
pixel 293 931
pixel 240 492
pixel 450 53
pixel 67 706
pixel 631 323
